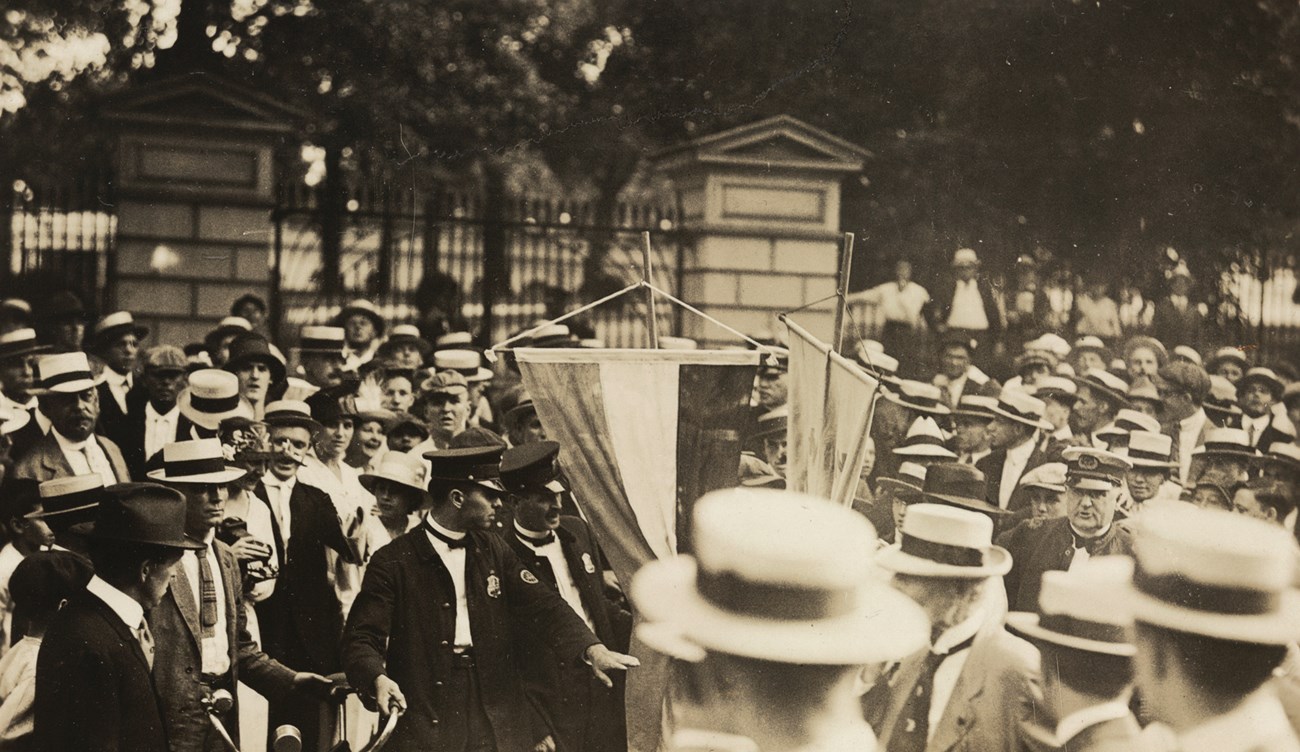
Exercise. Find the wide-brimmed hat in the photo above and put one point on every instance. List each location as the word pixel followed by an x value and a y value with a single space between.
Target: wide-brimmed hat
pixel 1231 442
pixel 1150 449
pixel 1078 610
pixel 294 413
pixel 365 308
pixel 975 406
pixel 142 513
pixel 907 481
pixel 1105 382
pixel 195 461
pixel 480 465
pixel 776 576
pixel 1049 475
pixel 938 540
pixel 1265 376
pixel 1285 454
pixel 69 500
pixel 1214 573
pixel 919 396
pixel 13 420
pixel 63 373
pixel 960 485
pixel 518 413
pixel 1020 406
pixel 1090 469
pixel 20 342
pixel 212 396
pixel 924 439
pixel 321 340
pixel 228 326
pixel 109 328
pixel 532 466
pixel 773 423
pixel 251 347
pixel 551 335
pixel 400 468
pixel 454 341
pixel 467 363
pixel 409 334
pixel 1224 354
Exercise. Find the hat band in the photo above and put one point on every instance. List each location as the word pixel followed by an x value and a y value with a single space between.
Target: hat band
pixel 943 553
pixel 1141 454
pixel 321 344
pixel 476 474
pixel 731 592
pixel 1018 414
pixel 1179 590
pixel 202 466
pixel 1225 446
pixel 214 404
pixel 921 439
pixel 920 401
pixel 1083 628
pixel 64 378
pixel 69 510
pixel 466 372
pixel 1077 474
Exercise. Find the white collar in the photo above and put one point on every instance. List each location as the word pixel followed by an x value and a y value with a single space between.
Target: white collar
pixel 1078 534
pixel 1194 420
pixel 532 535
pixel 1074 723
pixel 454 535
pixel 115 378
pixel 959 633
pixel 151 413
pixel 1262 421
pixel 1022 451
pixel 68 445
pixel 128 609
pixel 1257 719
pixel 273 481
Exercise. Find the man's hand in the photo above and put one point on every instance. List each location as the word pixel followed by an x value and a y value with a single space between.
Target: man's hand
pixel 316 685
pixel 389 696
pixel 249 548
pixel 545 745
pixel 602 659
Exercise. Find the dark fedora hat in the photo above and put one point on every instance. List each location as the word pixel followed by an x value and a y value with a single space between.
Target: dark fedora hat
pixel 142 513
pixel 958 485
pixel 252 347
pixel 62 305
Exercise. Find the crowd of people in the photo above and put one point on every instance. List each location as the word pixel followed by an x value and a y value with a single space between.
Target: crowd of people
pixel 1091 547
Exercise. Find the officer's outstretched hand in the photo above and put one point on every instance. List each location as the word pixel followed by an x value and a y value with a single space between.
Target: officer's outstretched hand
pixel 602 659
pixel 388 696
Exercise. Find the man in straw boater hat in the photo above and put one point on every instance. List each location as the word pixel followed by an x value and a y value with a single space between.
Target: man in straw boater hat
pixel 405 348
pixel 1084 638
pixel 302 620
pixel 441 614
pixel 1058 395
pixel 94 683
pixel 1257 392
pixel 924 444
pixel 1043 489
pixel 771 438
pixel 115 339
pixel 217 342
pixel 1215 609
pixel 972 683
pixel 1092 487
pixel 320 355
pixel 1018 447
pixel 363 328
pixel 1282 463
pixel 199 626
pixel 971 420
pixel 561 550
pixel 1229 362
pixel 1100 396
pixel 1152 466
pixel 772 621
pixel 1221 403
pixel 965 307
pixel 1225 458
pixel 894 495
pixel 210 396
pixel 68 397
pixel 19 352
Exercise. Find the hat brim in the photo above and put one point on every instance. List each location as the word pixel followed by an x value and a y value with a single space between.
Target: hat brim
pixel 1277 628
pixel 1090 484
pixel 296 421
pixel 380 324
pixel 901 401
pixel 491 484
pixel 885 624
pixel 1059 396
pixel 184 543
pixel 1053 487
pixel 896 485
pixel 17 423
pixel 367 481
pixel 1027 625
pixel 1118 396
pixel 229 475
pixel 211 421
pixel 33 349
pixel 925 450
pixel 895 560
pixel 1261 460
pixel 1152 464
pixel 106 336
pixel 272 363
pixel 1040 423
pixel 1243 453
pixel 966 413
pixel 975 505
pixel 70 387
pixel 1275 386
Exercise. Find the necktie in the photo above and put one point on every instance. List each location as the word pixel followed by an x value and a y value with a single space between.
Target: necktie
pixel 95 461
pixel 912 729
pixel 450 541
pixel 1091 545
pixel 1251 432
pixel 146 642
pixel 207 596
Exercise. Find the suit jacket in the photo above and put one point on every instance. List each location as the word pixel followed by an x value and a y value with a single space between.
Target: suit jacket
pixel 586 715
pixel 403 622
pixel 1174 328
pixel 993 463
pixel 45 460
pixel 93 687
pixel 302 620
pixel 25 438
pixel 940 306
pixel 997 691
pixel 1118 735
pixel 178 661
pixel 111 417
pixel 1051 546
pixel 128 432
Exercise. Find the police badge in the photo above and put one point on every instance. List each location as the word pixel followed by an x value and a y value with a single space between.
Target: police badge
pixel 493 586
pixel 587 564
pixel 528 577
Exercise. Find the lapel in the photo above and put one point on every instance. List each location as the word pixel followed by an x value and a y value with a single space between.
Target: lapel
pixel 959 717
pixel 52 457
pixel 184 599
pixel 124 633
pixel 901 682
pixel 230 579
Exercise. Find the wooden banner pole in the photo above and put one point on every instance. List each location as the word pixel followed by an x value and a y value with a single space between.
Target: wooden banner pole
pixel 652 323
pixel 842 291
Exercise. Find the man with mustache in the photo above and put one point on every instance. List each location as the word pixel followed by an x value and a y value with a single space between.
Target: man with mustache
pixel 68 397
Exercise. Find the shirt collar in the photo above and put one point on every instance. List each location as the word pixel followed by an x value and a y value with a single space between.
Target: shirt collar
pixel 150 413
pixel 959 633
pixel 1078 534
pixel 1194 420
pixel 1074 723
pixel 272 481
pixel 1023 450
pixel 68 445
pixel 128 609
pixel 116 379
pixel 454 535
pixel 530 534
pixel 1257 719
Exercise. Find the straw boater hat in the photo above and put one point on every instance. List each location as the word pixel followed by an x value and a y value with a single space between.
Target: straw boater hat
pixel 955 484
pixel 1222 398
pixel 919 396
pixel 142 513
pixel 365 308
pixel 196 461
pixel 211 397
pixel 63 373
pixel 943 541
pixel 324 340
pixel 975 406
pixel 1188 354
pixel 409 334
pixel 1078 610
pixel 1019 406
pixel 1286 455
pixel 1126 421
pixel 114 325
pixel 1232 442
pixel 453 341
pixel 228 326
pixel 1091 343
pixel 467 363
pixel 1265 376
pixel 20 342
pixel 69 500
pixel 1057 388
pixel 1049 475
pixel 1216 574
pixel 1150 449
pixel 1050 343
pixel 1146 391
pixel 13 420
pixel 1224 354
pixel 294 413
pixel 924 439
pixel 677 343
pixel 777 576
pixel 907 481
pixel 400 468
pixel 1106 383
pixel 551 335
